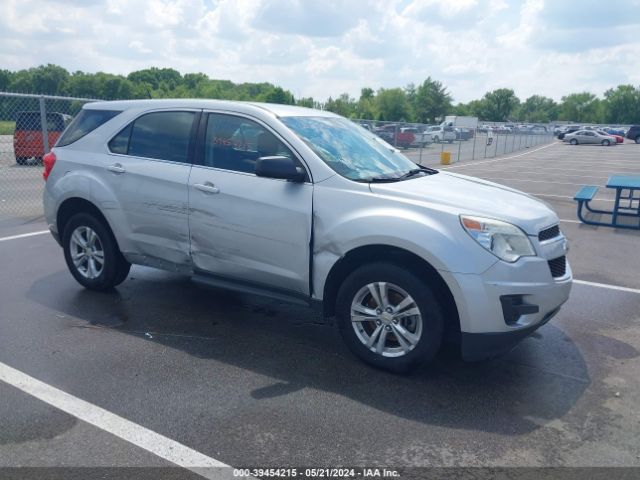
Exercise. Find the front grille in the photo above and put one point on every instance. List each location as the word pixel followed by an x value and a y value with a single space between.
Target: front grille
pixel 558 266
pixel 549 233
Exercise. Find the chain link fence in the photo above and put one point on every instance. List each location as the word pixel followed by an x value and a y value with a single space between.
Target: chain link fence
pixel 424 143
pixel 29 126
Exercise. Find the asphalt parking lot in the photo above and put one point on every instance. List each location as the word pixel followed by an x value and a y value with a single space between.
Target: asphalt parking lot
pixel 252 382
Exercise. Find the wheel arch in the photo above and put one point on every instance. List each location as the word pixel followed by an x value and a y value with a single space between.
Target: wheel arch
pixel 365 254
pixel 71 206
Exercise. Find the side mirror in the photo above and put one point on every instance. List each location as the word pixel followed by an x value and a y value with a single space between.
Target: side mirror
pixel 279 167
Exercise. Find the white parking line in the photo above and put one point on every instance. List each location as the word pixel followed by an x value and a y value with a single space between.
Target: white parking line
pixel 497 159
pixel 23 235
pixel 133 433
pixel 606 285
pixel 603 177
pixel 566 196
pixel 536 181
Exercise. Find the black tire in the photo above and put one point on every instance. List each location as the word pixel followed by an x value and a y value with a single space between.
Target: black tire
pixel 21 160
pixel 573 141
pixel 114 269
pixel 638 139
pixel 429 308
pixel 436 139
pixel 606 143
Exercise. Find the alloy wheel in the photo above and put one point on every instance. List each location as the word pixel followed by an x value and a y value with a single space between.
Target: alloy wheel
pixel 386 319
pixel 87 252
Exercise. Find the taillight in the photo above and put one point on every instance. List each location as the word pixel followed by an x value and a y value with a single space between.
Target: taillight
pixel 48 161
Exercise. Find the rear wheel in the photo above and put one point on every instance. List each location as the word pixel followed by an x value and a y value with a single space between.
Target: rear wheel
pixel 92 254
pixel 21 160
pixel 606 143
pixel 436 139
pixel 389 317
pixel 573 141
pixel 638 139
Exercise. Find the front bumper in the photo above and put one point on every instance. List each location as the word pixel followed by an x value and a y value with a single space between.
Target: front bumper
pixel 485 327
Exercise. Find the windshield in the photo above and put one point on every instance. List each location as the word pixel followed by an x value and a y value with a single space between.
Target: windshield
pixel 350 150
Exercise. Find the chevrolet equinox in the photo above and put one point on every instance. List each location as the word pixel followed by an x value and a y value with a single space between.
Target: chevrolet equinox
pixel 305 206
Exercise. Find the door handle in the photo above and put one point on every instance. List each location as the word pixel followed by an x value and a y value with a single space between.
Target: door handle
pixel 207 187
pixel 116 168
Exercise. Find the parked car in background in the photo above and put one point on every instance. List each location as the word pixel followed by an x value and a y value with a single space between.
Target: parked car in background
pixel 420 139
pixel 615 131
pixel 568 129
pixel 28 141
pixel 619 139
pixel 538 130
pixel 441 134
pixel 634 133
pixel 463 133
pixel 589 137
pixel 394 135
pixel 305 206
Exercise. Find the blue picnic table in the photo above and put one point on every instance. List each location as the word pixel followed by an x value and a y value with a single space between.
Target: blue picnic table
pixel 626 204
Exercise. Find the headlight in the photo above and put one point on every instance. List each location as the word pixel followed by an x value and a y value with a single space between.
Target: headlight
pixel 504 240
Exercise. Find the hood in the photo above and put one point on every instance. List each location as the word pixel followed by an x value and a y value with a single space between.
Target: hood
pixel 473 196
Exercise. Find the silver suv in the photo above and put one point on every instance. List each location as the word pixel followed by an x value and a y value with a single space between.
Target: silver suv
pixel 304 205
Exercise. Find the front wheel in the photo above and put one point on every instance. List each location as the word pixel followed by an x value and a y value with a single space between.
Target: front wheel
pixel 92 254
pixel 638 139
pixel 389 317
pixel 606 143
pixel 436 139
pixel 573 141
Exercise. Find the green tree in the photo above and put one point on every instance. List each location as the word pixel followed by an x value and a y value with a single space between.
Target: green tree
pixel 366 106
pixel 156 76
pixel 622 104
pixel 5 80
pixel 192 80
pixel 432 101
pixel 392 104
pixel 307 102
pixel 47 79
pixel 581 107
pixel 498 105
pixel 537 108
pixel 462 109
pixel 344 105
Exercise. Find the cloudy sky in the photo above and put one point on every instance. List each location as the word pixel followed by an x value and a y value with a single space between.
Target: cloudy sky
pixel 325 47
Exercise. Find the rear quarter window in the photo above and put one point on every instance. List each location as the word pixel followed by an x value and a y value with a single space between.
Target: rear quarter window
pixel 84 123
pixel 159 135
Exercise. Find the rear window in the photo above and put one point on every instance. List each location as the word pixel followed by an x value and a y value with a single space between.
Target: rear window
pixel 30 121
pixel 85 122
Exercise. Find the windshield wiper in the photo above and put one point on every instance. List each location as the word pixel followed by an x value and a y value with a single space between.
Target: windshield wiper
pixel 416 171
pixel 380 179
pixel 404 176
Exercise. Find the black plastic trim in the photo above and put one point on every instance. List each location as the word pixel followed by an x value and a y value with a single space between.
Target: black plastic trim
pixel 480 346
pixel 253 288
pixel 514 306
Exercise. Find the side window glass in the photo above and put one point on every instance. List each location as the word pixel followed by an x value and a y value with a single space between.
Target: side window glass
pixel 235 143
pixel 120 143
pixel 162 135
